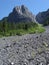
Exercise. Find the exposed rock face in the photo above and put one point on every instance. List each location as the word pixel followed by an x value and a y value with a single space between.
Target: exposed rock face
pixel 43 17
pixel 21 14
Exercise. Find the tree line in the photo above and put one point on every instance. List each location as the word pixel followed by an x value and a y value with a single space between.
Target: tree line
pixel 6 26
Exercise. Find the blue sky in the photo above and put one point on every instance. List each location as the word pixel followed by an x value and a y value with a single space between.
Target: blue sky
pixel 34 6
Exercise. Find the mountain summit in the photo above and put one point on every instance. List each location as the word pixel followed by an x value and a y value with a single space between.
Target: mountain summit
pixel 21 14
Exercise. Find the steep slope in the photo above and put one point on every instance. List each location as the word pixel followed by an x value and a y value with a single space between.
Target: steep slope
pixel 43 17
pixel 21 14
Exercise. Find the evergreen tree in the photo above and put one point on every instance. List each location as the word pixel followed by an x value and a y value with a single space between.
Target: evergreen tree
pixel 4 26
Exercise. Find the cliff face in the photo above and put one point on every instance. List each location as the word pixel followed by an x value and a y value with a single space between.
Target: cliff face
pixel 43 17
pixel 21 14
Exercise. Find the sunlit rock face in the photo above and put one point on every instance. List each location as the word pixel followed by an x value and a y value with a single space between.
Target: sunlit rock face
pixel 21 14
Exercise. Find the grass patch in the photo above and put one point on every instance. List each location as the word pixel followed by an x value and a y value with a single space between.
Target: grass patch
pixel 22 31
pixel 38 29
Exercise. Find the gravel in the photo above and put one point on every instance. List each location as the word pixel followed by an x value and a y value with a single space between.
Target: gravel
pixel 29 49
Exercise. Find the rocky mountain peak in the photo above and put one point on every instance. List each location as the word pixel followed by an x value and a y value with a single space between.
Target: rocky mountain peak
pixel 17 9
pixel 43 17
pixel 21 13
pixel 48 10
pixel 21 9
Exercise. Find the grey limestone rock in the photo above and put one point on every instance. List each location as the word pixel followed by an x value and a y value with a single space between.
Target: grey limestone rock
pixel 21 14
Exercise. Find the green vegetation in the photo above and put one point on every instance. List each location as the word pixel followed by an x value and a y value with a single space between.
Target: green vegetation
pixel 12 28
pixel 46 22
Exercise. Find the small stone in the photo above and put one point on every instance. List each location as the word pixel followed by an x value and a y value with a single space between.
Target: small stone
pixel 12 63
pixel 37 37
pixel 41 63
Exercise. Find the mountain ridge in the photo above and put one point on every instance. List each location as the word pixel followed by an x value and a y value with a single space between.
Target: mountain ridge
pixel 43 17
pixel 20 14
